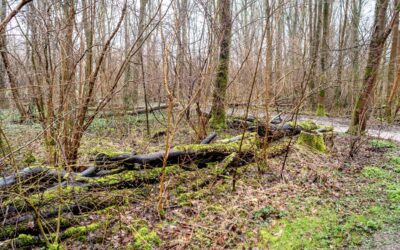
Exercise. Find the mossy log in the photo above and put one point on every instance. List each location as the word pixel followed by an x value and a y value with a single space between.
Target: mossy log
pixel 48 174
pixel 200 153
pixel 20 220
pixel 276 132
pixel 179 155
pixel 26 237
pixel 11 231
pixel 23 241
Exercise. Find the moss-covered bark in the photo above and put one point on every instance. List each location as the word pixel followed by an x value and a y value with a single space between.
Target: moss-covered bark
pixel 380 34
pixel 218 116
pixel 312 140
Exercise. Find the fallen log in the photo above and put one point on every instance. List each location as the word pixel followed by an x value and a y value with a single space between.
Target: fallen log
pixel 202 153
pixel 90 171
pixel 133 112
pixel 82 201
pixel 30 172
pixel 128 160
pixel 209 138
pixel 276 132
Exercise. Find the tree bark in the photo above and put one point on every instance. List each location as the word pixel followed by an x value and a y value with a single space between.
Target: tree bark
pixel 12 80
pixel 324 59
pixel 314 50
pixel 342 42
pixel 379 36
pixel 392 85
pixel 218 116
pixel 3 101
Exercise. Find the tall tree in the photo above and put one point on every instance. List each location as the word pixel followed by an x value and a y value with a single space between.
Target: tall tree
pixel 138 58
pixel 342 42
pixel 394 51
pixel 315 28
pixel 324 58
pixel 3 12
pixel 12 78
pixel 379 36
pixel 67 77
pixel 356 8
pixel 218 116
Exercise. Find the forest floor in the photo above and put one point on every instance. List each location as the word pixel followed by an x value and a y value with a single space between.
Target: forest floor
pixel 326 200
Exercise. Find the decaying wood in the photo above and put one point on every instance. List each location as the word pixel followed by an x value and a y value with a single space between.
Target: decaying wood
pixel 180 155
pixel 29 172
pixel 133 112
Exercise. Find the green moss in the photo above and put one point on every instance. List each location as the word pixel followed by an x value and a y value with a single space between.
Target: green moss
pixel 10 231
pixel 307 125
pixel 47 197
pixel 312 140
pixel 108 151
pixel 247 136
pixel 306 232
pixel 381 144
pixel 145 239
pixel 218 122
pixel 320 110
pixel 29 158
pixel 55 246
pixel 224 147
pixel 185 199
pixel 25 240
pixel 324 230
pixel 132 176
pixel 80 232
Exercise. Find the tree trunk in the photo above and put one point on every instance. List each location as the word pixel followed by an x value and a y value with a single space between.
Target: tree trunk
pixel 342 42
pixel 392 69
pixel 12 79
pixel 67 82
pixel 218 116
pixel 379 36
pixel 314 50
pixel 3 101
pixel 355 25
pixel 324 59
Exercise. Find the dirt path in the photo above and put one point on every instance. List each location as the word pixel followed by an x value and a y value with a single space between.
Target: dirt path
pixel 340 124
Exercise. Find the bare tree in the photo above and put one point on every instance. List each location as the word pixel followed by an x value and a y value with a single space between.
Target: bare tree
pixel 218 116
pixel 381 31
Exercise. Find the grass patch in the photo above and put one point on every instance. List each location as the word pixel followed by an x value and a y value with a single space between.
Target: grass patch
pixel 326 223
pixel 375 173
pixel 381 144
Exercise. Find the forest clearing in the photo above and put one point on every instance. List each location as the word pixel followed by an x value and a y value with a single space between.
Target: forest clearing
pixel 197 124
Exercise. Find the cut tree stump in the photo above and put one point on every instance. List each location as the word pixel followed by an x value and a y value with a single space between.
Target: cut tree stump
pixel 314 140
